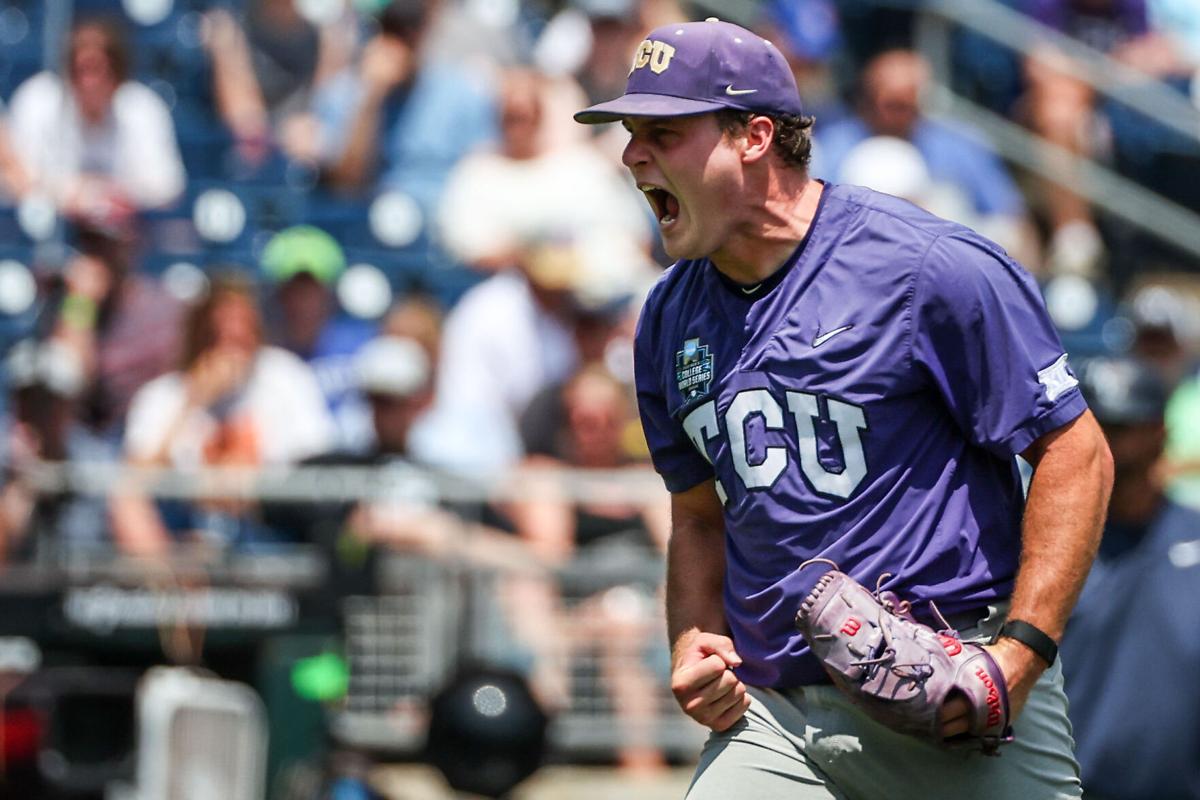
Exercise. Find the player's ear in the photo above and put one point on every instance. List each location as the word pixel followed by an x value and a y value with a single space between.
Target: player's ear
pixel 760 132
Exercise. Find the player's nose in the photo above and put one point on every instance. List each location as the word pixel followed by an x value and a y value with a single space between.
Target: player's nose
pixel 634 153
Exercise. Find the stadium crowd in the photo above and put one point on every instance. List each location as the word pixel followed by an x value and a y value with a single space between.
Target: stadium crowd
pixel 264 233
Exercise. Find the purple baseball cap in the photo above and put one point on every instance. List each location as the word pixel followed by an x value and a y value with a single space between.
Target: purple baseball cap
pixel 694 67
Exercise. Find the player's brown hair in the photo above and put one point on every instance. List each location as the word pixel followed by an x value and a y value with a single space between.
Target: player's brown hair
pixel 793 133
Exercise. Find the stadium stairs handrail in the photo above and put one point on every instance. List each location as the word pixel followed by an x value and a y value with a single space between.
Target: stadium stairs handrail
pixel 1149 211
pixel 1023 34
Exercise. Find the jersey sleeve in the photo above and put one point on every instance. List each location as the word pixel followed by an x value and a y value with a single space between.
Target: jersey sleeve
pixel 672 452
pixel 981 333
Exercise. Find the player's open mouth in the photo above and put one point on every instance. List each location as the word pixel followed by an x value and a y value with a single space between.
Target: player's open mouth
pixel 665 204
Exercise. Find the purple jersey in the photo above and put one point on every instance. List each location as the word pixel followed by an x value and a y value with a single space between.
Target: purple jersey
pixel 863 404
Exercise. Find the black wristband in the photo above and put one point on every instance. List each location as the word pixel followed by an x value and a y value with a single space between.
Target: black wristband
pixel 1032 637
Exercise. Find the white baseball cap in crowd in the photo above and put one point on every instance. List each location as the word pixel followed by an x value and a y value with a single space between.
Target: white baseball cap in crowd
pixel 392 365
pixel 889 165
pixel 50 364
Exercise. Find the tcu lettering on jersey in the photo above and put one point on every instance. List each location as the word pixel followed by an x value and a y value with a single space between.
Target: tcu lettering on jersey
pixel 702 426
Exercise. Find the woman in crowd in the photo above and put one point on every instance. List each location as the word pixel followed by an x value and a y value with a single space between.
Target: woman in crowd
pixel 234 402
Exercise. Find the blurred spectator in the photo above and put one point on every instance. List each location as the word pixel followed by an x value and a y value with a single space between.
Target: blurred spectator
pixel 123 327
pixel 603 339
pixel 594 42
pixel 107 330
pixel 396 377
pixel 45 379
pixel 235 402
pixel 1104 25
pixel 402 117
pixel 809 34
pixel 895 166
pixel 419 318
pixel 303 263
pixel 1060 107
pixel 1179 22
pixel 1139 601
pixel 100 144
pixel 1166 325
pixel 412 518
pixel 535 187
pixel 615 28
pixel 892 86
pixel 616 614
pixel 515 334
pixel 502 342
pixel 14 180
pixel 578 235
pixel 267 63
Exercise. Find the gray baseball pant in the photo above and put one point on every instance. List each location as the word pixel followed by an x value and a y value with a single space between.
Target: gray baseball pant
pixel 812 743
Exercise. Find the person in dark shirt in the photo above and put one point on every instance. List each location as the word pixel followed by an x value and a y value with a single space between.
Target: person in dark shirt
pixel 123 326
pixel 395 375
pixel 611 554
pixel 1136 621
pixel 303 263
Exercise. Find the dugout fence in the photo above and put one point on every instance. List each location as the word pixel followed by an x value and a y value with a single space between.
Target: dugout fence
pixel 588 634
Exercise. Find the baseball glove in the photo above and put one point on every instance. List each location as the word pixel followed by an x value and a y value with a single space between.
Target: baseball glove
pixel 898 670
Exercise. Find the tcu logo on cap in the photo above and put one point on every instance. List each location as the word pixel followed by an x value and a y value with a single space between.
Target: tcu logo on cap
pixel 656 54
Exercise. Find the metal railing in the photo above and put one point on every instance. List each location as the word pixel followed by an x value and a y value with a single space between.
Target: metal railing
pixel 1103 187
pixel 425 615
pixel 404 643
pixel 1019 32
pixel 342 483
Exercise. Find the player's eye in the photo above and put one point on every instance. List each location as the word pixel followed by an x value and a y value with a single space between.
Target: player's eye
pixel 664 136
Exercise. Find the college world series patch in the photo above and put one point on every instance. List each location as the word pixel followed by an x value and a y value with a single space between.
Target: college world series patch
pixel 693 369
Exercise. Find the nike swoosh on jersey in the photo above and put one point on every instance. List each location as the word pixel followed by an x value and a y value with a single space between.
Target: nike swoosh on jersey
pixel 825 337
pixel 729 90
pixel 750 289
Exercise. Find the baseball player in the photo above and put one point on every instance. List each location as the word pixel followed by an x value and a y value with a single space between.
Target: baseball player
pixel 828 372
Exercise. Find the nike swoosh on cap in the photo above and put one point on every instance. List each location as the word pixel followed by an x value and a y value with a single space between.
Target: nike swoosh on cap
pixel 729 90
pixel 825 337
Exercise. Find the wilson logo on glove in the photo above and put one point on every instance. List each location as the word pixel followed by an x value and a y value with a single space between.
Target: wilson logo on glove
pixel 951 645
pixel 898 670
pixel 993 696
